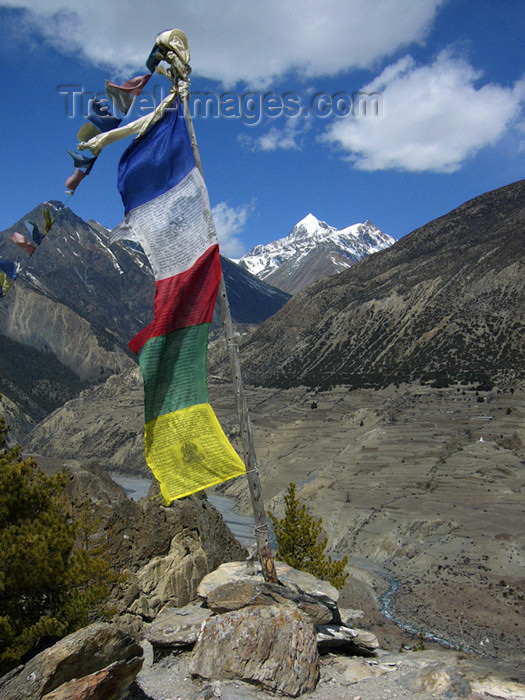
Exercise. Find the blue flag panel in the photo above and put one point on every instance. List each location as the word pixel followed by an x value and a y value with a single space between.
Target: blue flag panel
pixel 156 162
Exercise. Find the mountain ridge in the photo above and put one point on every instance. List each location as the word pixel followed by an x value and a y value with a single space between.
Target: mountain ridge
pixel 312 250
pixel 446 300
pixel 77 303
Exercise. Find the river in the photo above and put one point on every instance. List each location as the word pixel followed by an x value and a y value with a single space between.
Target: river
pixel 241 526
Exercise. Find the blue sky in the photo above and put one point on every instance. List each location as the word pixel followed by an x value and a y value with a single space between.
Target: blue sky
pixel 449 76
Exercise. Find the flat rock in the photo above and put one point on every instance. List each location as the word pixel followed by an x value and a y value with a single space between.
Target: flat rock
pixel 177 627
pixel 271 646
pixel 334 635
pixel 306 583
pixel 107 684
pixel 79 654
pixel 499 688
pixel 299 581
pixel 346 638
pixel 240 594
pixel 365 640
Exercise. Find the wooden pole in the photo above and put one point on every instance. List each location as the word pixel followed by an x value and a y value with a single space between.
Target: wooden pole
pixel 250 459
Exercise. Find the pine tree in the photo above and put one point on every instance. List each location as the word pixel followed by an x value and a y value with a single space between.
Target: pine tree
pixel 301 544
pixel 49 582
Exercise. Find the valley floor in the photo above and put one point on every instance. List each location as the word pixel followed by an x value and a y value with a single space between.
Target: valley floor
pixel 423 486
pixel 417 485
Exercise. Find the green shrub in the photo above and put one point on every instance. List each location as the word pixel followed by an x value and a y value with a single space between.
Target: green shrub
pixel 301 544
pixel 50 582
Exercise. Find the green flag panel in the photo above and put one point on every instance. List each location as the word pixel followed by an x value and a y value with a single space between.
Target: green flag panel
pixel 174 370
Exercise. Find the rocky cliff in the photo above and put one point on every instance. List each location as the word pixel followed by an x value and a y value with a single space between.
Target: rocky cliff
pixel 110 288
pixel 164 552
pixel 103 425
pixel 18 421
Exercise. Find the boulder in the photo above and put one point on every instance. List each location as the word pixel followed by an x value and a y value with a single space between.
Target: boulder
pixel 307 583
pixel 365 641
pixel 240 594
pixel 271 646
pixel 174 577
pixel 333 636
pixel 107 684
pixel 80 654
pixel 130 624
pixel 177 627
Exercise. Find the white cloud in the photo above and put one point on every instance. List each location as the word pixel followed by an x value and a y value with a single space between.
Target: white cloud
pixel 287 138
pixel 434 117
pixel 235 40
pixel 230 222
pixel 278 139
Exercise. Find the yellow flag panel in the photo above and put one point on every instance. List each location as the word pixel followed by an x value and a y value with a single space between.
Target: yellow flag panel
pixel 187 451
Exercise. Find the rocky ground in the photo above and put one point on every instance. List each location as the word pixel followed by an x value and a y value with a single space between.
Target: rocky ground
pixel 244 639
pixel 424 675
pixel 359 673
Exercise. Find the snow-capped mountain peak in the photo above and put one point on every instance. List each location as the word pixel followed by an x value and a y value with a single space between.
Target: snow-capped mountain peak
pixel 310 226
pixel 334 249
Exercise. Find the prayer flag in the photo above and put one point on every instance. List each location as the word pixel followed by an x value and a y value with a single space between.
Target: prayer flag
pixel 153 59
pixel 166 205
pixel 34 232
pixel 48 221
pixel 73 181
pixel 87 131
pixel 23 243
pixel 9 271
pixel 81 160
pixel 122 95
pixel 9 268
pixel 100 115
pixel 5 284
pixel 8 274
pixel 122 100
